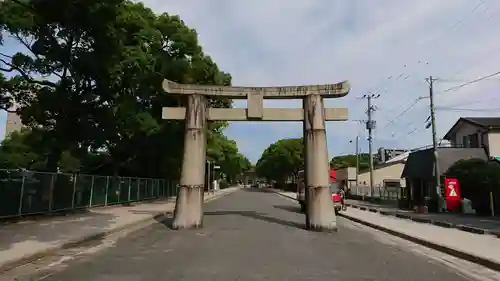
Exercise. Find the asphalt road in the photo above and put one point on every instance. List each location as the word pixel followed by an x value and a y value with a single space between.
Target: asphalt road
pixel 253 235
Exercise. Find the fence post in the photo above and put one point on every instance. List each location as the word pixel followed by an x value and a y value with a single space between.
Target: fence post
pixel 106 192
pixel 51 191
pixel 74 191
pixel 163 188
pixel 168 189
pixel 129 188
pixel 119 189
pixel 138 189
pixel 21 196
pixel 91 191
pixel 151 188
pixel 157 189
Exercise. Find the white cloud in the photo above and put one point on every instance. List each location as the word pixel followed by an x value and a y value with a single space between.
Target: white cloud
pixel 297 42
pixel 285 42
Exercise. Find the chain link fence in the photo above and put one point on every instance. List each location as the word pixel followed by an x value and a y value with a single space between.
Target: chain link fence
pixel 30 193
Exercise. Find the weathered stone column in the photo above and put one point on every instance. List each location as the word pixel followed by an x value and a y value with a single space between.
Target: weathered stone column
pixel 320 215
pixel 189 205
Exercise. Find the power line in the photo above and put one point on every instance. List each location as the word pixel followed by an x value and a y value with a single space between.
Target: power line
pixel 471 82
pixel 413 104
pixel 484 56
pixel 459 21
pixel 390 79
pixel 468 109
pixel 474 102
pixel 464 80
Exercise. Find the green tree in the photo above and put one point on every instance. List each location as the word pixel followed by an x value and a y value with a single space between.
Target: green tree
pixel 21 150
pixel 90 83
pixel 224 152
pixel 281 160
pixel 344 161
pixel 477 178
pixel 56 76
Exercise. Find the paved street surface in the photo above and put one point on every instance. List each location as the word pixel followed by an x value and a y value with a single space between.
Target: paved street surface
pixel 487 223
pixel 26 238
pixel 256 235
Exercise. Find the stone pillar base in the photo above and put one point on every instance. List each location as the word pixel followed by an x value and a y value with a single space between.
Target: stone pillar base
pixel 320 212
pixel 189 208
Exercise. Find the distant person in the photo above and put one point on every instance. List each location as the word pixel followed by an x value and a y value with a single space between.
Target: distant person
pixel 342 197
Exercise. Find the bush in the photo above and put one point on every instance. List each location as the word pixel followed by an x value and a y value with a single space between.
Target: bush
pixel 477 178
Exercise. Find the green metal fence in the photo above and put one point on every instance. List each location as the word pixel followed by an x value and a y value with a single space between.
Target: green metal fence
pixel 30 193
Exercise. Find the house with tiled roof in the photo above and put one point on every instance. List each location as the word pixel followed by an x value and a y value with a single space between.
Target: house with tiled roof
pixel 476 132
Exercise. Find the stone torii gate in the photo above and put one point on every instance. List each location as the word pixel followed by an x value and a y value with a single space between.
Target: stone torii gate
pixel 189 205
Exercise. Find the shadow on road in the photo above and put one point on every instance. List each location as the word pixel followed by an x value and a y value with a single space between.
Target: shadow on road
pixel 167 221
pixel 258 216
pixel 293 209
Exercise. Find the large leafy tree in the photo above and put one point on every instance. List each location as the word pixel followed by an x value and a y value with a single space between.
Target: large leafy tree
pixel 89 82
pixel 225 154
pixel 67 47
pixel 281 159
pixel 344 161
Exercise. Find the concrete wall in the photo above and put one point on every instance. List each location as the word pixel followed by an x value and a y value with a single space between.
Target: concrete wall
pixel 346 174
pixel 465 129
pixel 389 172
pixel 493 142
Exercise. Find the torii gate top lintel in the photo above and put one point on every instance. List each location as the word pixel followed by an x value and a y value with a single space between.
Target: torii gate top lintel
pixel 337 90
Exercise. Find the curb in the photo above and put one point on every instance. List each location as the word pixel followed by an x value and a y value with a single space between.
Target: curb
pixel 465 228
pixel 96 236
pixel 453 252
pixel 281 194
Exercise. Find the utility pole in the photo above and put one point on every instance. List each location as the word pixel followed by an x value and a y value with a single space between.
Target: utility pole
pixel 370 125
pixel 437 173
pixel 357 160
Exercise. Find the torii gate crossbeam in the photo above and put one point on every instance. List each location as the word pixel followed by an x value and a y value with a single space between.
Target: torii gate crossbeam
pixel 189 205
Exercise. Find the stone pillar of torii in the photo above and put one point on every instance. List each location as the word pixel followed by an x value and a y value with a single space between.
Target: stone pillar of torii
pixel 189 205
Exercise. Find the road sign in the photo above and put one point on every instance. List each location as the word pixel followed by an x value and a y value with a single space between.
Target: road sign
pixel 452 194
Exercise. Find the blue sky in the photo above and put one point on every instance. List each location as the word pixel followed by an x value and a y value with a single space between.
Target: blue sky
pixel 385 46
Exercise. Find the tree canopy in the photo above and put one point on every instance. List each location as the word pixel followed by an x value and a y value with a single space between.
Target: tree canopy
pixel 88 86
pixel 344 161
pixel 281 160
pixel 285 158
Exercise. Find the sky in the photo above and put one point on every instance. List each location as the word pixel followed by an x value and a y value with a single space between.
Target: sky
pixel 384 47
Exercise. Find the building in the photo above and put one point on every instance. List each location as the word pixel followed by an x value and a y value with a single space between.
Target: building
pixel 476 132
pixel 13 123
pixel 386 178
pixel 419 171
pixel 469 137
pixel 385 154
